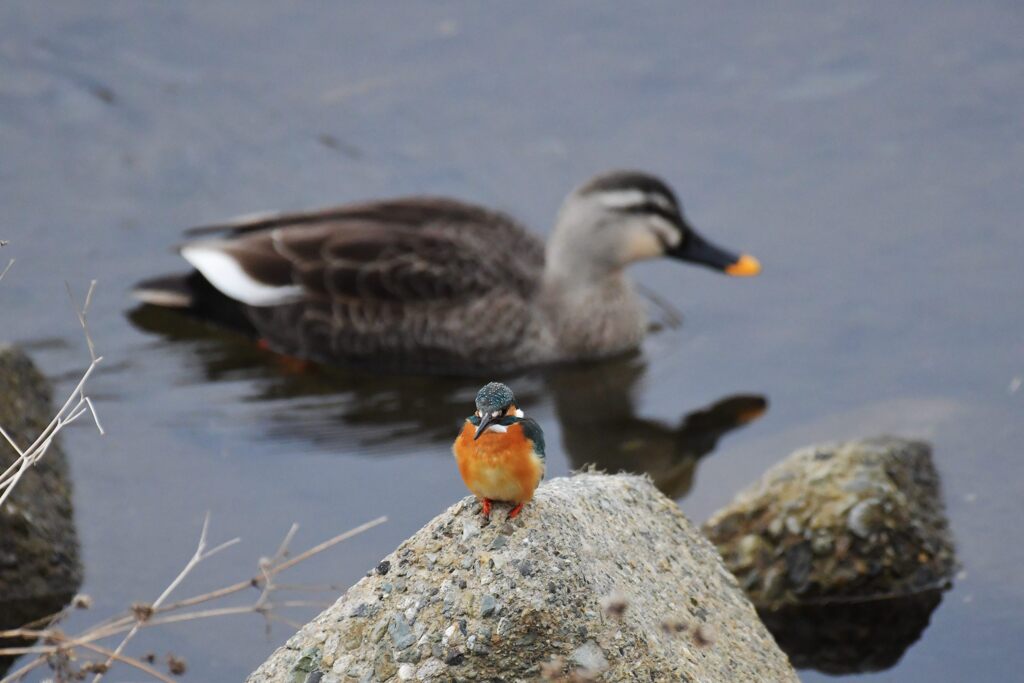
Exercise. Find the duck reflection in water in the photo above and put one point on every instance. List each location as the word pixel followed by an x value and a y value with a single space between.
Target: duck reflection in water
pixel 610 435
pixel 336 408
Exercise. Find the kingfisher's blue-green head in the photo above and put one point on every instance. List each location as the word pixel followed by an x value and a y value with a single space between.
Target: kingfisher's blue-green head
pixel 494 398
pixel 493 402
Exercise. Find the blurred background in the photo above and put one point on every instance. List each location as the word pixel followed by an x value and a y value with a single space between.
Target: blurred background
pixel 869 155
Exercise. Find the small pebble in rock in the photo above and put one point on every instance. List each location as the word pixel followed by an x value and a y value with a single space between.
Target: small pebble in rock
pixel 488 605
pixel 383 568
pixel 469 530
pixel 406 672
pixel 589 656
pixel 401 635
pixel 430 670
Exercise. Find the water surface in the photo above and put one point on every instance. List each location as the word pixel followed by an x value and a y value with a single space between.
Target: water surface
pixel 870 156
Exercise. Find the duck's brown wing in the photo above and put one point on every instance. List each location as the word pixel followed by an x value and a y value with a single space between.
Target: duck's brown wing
pixel 423 275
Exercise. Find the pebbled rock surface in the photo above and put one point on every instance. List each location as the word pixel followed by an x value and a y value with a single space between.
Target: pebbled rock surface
pixel 600 578
pixel 842 521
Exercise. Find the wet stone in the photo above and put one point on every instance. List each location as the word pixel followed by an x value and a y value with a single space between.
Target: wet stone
pixel 860 519
pixel 579 540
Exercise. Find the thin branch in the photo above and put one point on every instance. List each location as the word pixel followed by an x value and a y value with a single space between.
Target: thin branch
pixel 130 661
pixel 82 314
pixel 18 674
pixel 160 613
pixel 329 543
pixel 4 271
pixel 200 554
pixel 69 412
pixel 95 417
pixel 74 407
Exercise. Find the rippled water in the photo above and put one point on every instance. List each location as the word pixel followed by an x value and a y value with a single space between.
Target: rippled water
pixel 870 156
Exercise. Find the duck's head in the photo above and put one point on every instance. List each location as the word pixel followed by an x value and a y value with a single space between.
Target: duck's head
pixel 620 217
pixel 493 402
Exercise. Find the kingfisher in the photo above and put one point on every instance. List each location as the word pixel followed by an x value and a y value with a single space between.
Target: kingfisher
pixel 500 451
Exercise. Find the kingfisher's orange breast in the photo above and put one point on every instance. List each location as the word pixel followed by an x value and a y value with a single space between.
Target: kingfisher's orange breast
pixel 499 465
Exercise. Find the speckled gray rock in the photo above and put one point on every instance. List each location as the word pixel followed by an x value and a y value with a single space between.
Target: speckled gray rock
pixel 600 575
pixel 855 520
pixel 39 566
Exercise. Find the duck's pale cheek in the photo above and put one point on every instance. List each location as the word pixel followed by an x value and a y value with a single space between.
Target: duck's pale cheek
pixel 642 244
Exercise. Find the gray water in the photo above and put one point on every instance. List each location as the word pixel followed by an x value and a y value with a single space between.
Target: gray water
pixel 871 156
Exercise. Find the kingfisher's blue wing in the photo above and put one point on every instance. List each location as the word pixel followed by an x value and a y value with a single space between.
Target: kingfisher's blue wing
pixel 533 432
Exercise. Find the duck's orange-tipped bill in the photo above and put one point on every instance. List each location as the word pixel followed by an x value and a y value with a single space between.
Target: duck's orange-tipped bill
pixel 696 249
pixel 745 266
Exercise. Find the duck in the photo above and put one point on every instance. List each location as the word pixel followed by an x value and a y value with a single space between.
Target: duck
pixel 499 451
pixel 434 285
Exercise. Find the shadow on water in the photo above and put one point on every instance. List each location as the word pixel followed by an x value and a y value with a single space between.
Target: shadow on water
pixel 594 404
pixel 851 637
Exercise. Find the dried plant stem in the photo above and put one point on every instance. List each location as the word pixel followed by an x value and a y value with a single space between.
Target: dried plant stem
pixel 118 625
pixel 198 556
pixel 74 407
pixel 69 412
pixel 161 612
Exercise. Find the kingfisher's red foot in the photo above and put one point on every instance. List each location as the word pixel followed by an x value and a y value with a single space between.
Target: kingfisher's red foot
pixel 515 511
pixel 486 508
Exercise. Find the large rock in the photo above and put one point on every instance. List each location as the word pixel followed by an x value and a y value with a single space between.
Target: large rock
pixel 600 576
pixel 856 520
pixel 39 566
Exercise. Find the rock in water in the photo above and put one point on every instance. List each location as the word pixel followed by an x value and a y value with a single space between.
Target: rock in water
pixel 847 521
pixel 458 606
pixel 39 566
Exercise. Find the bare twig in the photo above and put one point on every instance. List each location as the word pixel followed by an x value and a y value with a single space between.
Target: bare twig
pixel 82 314
pixel 161 612
pixel 8 267
pixel 198 556
pixel 74 407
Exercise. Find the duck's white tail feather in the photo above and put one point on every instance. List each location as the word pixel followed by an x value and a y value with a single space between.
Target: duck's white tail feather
pixel 168 291
pixel 223 270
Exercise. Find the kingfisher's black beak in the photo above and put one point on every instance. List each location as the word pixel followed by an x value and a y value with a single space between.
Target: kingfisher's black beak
pixel 696 249
pixel 485 420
